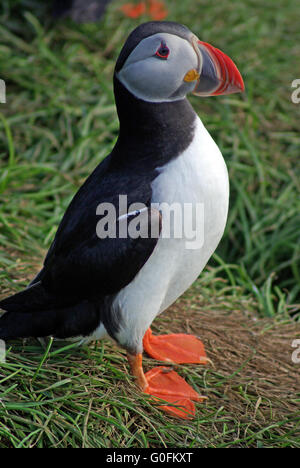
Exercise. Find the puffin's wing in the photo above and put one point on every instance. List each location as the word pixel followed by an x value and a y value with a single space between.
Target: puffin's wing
pixel 102 266
pixel 81 263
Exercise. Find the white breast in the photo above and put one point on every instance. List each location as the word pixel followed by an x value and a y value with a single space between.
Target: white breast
pixel 198 176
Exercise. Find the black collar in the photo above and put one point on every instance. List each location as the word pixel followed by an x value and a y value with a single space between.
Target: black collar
pixel 151 133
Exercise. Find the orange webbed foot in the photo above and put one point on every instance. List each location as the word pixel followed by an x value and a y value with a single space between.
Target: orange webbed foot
pixel 165 384
pixel 178 348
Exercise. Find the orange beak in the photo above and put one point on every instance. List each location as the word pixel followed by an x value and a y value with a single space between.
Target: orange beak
pixel 217 74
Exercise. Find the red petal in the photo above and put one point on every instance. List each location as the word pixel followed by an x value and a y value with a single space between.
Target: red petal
pixel 134 11
pixel 157 10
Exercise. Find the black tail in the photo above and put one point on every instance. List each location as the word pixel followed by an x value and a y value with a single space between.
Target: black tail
pixel 77 320
pixel 19 325
pixel 32 299
pixel 23 315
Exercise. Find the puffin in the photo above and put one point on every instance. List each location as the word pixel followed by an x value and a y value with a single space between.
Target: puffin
pixel 142 227
pixel 80 11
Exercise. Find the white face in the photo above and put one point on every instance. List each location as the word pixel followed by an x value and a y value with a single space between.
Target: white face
pixel 156 68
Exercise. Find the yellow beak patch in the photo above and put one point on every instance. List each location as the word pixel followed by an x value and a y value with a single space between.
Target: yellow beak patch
pixel 192 75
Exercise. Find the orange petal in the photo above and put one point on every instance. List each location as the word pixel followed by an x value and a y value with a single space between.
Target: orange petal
pixel 157 10
pixel 179 348
pixel 134 11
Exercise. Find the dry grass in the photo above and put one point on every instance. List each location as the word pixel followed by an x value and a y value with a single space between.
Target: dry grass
pixel 88 394
pixel 252 384
pixel 252 376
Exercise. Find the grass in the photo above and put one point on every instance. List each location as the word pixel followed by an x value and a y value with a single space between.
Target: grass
pixel 67 396
pixel 58 123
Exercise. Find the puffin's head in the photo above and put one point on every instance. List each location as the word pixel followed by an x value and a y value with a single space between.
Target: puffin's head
pixel 164 61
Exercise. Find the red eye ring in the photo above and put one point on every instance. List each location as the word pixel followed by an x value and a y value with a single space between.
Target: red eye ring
pixel 163 52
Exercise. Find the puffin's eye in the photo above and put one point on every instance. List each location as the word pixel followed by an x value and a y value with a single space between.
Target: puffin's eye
pixel 163 51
